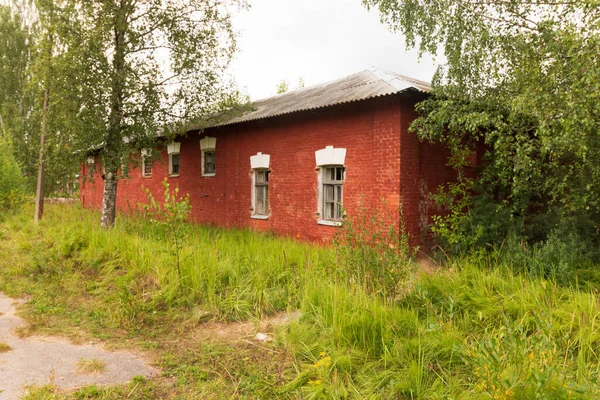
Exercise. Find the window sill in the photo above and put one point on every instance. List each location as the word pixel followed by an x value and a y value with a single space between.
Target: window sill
pixel 173 175
pixel 209 175
pixel 146 176
pixel 259 216
pixel 329 223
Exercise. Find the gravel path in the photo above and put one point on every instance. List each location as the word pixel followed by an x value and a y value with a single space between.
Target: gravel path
pixel 43 360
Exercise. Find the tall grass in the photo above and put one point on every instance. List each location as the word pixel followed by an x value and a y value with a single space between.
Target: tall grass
pixel 474 329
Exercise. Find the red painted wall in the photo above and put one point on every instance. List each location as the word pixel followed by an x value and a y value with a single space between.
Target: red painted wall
pixel 383 161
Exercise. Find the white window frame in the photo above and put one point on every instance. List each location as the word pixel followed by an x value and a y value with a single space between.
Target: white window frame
pixel 256 184
pixel 260 163
pixel 173 149
pixel 337 193
pixel 208 145
pixel 328 158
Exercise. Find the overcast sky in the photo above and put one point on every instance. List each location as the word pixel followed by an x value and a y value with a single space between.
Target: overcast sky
pixel 318 40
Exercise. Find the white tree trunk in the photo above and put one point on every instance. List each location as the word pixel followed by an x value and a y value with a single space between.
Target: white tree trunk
pixel 109 200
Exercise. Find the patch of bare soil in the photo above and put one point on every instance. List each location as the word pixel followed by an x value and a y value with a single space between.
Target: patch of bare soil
pixel 245 330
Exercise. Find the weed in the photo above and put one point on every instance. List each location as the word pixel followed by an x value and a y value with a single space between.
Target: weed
pixel 374 252
pixel 91 366
pixel 4 347
pixel 172 213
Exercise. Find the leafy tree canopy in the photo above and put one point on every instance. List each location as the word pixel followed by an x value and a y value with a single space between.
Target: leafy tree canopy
pixel 125 70
pixel 521 79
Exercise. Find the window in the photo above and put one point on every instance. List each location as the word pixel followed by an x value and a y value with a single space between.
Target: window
pixel 333 189
pixel 260 185
pixel 261 192
pixel 174 164
pixel 146 163
pixel 91 161
pixel 209 165
pixel 173 149
pixel 332 171
pixel 146 168
pixel 208 147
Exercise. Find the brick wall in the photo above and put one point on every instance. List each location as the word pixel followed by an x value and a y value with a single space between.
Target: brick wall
pixel 383 161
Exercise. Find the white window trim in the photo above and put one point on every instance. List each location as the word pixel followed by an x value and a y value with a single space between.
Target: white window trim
pixel 328 157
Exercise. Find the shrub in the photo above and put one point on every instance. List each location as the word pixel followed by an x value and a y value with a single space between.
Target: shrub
pixel 556 258
pixel 374 252
pixel 11 179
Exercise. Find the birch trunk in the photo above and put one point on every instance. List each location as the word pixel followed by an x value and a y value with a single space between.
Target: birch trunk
pixel 41 178
pixel 109 200
pixel 114 139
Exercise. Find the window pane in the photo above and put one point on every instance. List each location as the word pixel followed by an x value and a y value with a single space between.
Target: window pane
pixel 261 206
pixel 259 201
pixel 330 210
pixel 260 177
pixel 330 174
pixel 266 200
pixel 209 162
pixel 328 193
pixel 339 174
pixel 338 193
pixel 147 168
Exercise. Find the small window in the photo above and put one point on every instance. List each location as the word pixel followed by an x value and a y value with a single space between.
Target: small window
pixel 146 168
pixel 261 192
pixel 91 161
pixel 174 164
pixel 209 165
pixel 332 190
pixel 208 146
pixel 146 163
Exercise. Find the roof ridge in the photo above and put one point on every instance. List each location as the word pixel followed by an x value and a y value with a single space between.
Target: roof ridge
pixel 322 84
pixel 377 72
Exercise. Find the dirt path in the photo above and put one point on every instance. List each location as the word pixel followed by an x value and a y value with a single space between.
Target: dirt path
pixel 44 360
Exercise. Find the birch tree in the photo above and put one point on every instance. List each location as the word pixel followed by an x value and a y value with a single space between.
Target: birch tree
pixel 138 67
pixel 521 78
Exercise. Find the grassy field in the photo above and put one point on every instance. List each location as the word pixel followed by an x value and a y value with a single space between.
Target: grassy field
pixel 473 329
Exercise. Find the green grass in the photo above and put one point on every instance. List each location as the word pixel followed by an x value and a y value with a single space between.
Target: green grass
pixel 474 329
pixel 4 347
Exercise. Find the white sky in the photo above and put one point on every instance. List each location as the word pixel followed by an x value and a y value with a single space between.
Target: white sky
pixel 318 40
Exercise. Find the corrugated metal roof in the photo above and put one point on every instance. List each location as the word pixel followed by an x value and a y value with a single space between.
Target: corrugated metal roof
pixel 364 85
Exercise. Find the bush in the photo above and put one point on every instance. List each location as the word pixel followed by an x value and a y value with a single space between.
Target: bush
pixel 374 252
pixel 11 179
pixel 556 258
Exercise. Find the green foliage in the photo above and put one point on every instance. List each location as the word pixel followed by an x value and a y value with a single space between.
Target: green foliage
pixel 374 252
pixel 11 180
pixel 283 86
pixel 520 87
pixel 172 212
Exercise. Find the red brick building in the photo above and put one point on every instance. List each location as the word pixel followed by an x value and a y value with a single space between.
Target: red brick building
pixel 287 165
